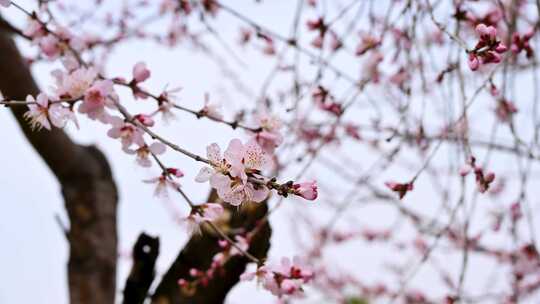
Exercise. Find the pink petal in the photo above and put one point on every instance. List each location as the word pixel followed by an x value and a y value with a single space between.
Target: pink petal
pixel 157 148
pixel 213 152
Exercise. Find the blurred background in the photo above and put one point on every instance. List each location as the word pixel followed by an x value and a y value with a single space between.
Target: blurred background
pixel 34 250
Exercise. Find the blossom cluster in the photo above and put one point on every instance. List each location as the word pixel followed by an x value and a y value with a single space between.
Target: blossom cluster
pixel 488 48
pixel 284 279
pixel 237 174
pixel 483 179
pixel 198 277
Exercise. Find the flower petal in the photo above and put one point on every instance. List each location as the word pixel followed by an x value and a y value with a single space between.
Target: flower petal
pixel 204 175
pixel 213 152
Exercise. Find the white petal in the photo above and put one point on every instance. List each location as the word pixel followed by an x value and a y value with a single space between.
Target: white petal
pixel 234 152
pixel 157 148
pixel 260 195
pixel 254 156
pixel 213 152
pixel 219 181
pixel 42 100
pixel 58 115
pixel 204 175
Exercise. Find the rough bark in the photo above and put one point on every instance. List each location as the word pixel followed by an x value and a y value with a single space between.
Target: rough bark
pixel 198 254
pixel 87 184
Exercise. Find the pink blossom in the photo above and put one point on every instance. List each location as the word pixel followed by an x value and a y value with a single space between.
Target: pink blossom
pixel 211 110
pixel 96 98
pixel 70 62
pixel 163 183
pixel 307 190
pixel 284 279
pixel 33 29
pixel 208 212
pixel 43 113
pixel 143 153
pixel 127 132
pixel 5 3
pixel 269 137
pixel 166 105
pixel 205 212
pixel 242 243
pixel 74 84
pixel 165 108
pixel 229 174
pixel 38 113
pixel 50 46
pixel 140 72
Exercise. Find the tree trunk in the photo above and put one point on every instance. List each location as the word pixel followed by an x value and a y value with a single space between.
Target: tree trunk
pixel 87 184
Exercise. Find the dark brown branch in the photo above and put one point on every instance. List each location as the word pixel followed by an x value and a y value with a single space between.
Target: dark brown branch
pixel 198 254
pixel 88 188
pixel 145 253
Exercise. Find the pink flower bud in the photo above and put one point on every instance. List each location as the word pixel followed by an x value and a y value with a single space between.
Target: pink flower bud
pixel 482 29
pixel 146 120
pixel 140 72
pixel 474 63
pixel 307 190
pixel 223 243
pixel 175 172
pixel 492 32
pixel 492 57
pixel 529 34
pixel 489 177
pixel 400 188
pixel 466 169
pixel 501 48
